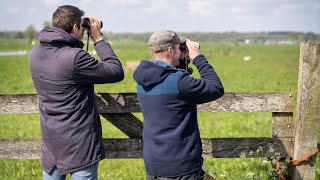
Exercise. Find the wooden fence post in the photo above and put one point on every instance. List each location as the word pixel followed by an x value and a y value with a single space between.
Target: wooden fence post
pixel 308 110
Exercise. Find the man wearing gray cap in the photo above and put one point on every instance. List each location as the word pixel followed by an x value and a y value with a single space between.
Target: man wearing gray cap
pixel 168 97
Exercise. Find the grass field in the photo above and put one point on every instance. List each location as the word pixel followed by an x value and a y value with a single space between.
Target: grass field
pixel 272 68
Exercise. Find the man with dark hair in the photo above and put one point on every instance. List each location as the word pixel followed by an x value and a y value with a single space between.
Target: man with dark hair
pixel 168 97
pixel 65 17
pixel 64 76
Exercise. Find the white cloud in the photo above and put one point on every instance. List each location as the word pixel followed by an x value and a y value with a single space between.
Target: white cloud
pixel 77 3
pixel 221 7
pixel 200 7
pixel 86 2
pixel 316 7
pixel 123 2
pixel 149 15
pixel 51 2
pixel 239 10
pixel 293 9
pixel 156 6
pixel 12 11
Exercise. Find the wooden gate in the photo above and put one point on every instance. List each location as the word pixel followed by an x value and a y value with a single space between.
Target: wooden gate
pixel 288 138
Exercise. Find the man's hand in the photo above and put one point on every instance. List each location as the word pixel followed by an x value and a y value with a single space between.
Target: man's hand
pixel 95 30
pixel 194 48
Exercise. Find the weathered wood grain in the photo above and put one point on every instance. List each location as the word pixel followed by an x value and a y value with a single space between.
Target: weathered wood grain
pixel 18 103
pixel 308 109
pixel 127 103
pixel 250 102
pixel 132 148
pixel 246 147
pixel 123 148
pixel 20 149
pixel 126 122
pixel 282 124
pixel 117 102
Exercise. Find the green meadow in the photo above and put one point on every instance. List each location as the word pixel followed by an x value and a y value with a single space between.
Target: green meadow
pixel 272 68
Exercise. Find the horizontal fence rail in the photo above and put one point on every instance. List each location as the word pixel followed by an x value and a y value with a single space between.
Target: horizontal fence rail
pixel 127 103
pixel 132 148
pixel 117 109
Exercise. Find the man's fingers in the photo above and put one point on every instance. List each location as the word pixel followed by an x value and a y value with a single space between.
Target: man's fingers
pixel 192 43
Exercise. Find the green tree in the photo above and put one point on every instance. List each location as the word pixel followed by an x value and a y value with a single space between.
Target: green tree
pixel 30 32
pixel 46 23
pixel 310 36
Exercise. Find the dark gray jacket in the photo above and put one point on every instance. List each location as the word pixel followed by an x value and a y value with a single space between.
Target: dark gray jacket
pixel 63 75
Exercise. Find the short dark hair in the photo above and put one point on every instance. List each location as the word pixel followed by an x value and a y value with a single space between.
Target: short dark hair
pixel 66 16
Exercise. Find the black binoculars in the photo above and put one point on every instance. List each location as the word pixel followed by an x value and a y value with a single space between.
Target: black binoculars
pixel 184 58
pixel 86 23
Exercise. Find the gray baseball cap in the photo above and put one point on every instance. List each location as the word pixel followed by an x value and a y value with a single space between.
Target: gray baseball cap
pixel 161 40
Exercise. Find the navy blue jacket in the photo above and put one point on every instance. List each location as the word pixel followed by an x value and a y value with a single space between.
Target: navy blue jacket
pixel 168 99
pixel 64 76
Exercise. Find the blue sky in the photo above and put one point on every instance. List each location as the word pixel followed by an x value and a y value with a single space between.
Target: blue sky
pixel 179 15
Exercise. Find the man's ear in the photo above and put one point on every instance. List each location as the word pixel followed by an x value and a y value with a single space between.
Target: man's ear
pixel 74 29
pixel 170 51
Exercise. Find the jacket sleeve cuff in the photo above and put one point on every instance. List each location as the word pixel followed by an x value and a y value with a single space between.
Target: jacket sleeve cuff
pixel 98 42
pixel 198 58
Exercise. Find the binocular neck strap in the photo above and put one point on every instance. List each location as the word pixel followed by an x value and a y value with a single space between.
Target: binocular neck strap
pixel 88 32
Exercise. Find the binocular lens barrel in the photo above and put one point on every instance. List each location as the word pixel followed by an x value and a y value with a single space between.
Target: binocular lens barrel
pixel 86 23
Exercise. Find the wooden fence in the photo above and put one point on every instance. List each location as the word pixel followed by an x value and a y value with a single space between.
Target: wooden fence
pixel 289 138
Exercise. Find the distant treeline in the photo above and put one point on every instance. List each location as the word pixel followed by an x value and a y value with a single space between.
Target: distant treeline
pixel 213 37
pixel 227 37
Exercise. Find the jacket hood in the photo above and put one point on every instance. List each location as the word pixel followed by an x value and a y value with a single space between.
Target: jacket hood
pixel 150 73
pixel 56 35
